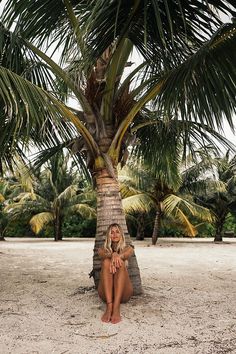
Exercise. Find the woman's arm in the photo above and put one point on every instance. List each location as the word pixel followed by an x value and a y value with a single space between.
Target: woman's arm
pixel 103 253
pixel 126 253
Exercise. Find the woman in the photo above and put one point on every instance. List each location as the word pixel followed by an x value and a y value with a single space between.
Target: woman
pixel 114 284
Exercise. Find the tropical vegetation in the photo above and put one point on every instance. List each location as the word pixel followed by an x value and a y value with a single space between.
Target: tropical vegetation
pixel 143 190
pixel 56 192
pixel 217 192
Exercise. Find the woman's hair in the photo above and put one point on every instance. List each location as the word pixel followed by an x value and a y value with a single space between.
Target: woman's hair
pixel 121 244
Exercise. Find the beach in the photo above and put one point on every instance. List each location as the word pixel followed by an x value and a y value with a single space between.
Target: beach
pixel 48 303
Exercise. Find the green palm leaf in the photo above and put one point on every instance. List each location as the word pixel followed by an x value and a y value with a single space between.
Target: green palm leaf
pixel 140 202
pixel 68 193
pixel 178 206
pixel 200 89
pixel 18 58
pixel 204 85
pixel 84 210
pixel 164 30
pixel 189 229
pixel 33 107
pixel 42 22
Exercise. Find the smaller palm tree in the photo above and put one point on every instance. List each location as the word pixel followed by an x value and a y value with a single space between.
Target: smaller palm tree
pixel 217 192
pixel 56 194
pixel 167 202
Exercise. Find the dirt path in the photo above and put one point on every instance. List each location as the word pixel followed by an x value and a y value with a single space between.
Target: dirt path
pixel 48 304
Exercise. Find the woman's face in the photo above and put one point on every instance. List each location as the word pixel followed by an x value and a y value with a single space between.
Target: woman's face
pixel 115 234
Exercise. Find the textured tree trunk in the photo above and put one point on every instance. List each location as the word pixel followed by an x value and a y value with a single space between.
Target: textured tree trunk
pixel 140 228
pixel 58 227
pixel 157 225
pixel 109 210
pixel 219 231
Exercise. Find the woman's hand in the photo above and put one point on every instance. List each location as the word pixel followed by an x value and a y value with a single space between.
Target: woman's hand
pixel 116 262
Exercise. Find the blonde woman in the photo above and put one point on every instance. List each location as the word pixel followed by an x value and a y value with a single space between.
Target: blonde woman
pixel 114 285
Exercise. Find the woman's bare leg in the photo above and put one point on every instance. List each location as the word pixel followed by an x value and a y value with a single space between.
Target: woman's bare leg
pixel 123 290
pixel 105 289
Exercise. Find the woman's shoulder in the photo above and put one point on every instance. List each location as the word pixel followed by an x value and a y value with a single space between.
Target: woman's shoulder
pixel 129 247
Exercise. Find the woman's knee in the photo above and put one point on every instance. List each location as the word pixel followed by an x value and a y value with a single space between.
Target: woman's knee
pixel 106 263
pixel 122 268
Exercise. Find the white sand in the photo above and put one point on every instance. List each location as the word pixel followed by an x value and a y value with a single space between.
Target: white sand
pixel 48 305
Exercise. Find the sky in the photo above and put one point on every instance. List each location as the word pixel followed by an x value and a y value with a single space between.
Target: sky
pixel 135 58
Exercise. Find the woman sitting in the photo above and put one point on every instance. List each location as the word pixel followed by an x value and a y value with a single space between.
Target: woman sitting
pixel 114 285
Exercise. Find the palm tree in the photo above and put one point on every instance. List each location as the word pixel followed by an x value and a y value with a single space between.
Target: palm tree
pixel 217 192
pixel 189 77
pixel 159 167
pixel 56 193
pixel 156 193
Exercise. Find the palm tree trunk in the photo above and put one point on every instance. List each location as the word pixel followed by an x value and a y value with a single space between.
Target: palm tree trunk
pixel 157 225
pixel 58 227
pixel 219 230
pixel 140 228
pixel 109 210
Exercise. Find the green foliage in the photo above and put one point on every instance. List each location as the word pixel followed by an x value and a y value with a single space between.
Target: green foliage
pixel 221 199
pixel 76 226
pixel 19 228
pixel 206 230
pixel 56 192
pixel 3 222
pixel 170 232
pixel 73 226
pixel 230 223
pixel 132 223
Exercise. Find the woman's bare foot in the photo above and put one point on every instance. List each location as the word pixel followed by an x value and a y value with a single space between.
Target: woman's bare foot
pixel 106 317
pixel 116 318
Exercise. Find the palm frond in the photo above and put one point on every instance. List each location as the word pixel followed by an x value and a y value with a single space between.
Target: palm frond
pixel 87 197
pixel 128 191
pixel 39 221
pixel 26 208
pixel 34 108
pixel 25 196
pixel 202 185
pixel 15 56
pixel 189 229
pixel 166 31
pixel 203 87
pixel 28 105
pixel 135 176
pixel 174 204
pixel 158 147
pixel 68 193
pixel 46 23
pixel 84 210
pixel 113 75
pixel 139 202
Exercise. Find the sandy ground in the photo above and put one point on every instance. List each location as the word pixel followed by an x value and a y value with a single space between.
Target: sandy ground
pixel 48 304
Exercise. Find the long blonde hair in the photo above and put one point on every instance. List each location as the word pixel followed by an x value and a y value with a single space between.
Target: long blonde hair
pixel 121 244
